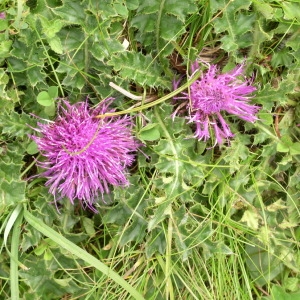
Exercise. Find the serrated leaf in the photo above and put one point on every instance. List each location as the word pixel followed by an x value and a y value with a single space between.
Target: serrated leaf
pixel 281 147
pixel 156 242
pixel 158 22
pixel 251 218
pixel 235 22
pixel 129 209
pixel 35 75
pixel 265 9
pixel 12 188
pixel 5 48
pixel 140 68
pixel 51 27
pixel 291 10
pixel 71 12
pixel 15 124
pixel 55 44
pixel 270 94
pixel 71 38
pixel 135 232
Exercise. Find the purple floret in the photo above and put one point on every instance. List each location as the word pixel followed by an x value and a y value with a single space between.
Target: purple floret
pixel 214 93
pixel 84 154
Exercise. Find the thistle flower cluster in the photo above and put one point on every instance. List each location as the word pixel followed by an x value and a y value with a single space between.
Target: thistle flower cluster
pixel 214 93
pixel 84 154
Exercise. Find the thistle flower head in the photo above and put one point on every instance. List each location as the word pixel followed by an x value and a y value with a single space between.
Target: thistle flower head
pixel 84 154
pixel 214 93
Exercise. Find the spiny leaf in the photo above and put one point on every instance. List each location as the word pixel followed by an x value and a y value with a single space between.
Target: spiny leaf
pixel 71 12
pixel 15 124
pixel 158 22
pixel 140 68
pixel 12 187
pixel 130 209
pixel 235 25
pixel 270 94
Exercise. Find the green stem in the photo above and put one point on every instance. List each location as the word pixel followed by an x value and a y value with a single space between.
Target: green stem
pixel 151 104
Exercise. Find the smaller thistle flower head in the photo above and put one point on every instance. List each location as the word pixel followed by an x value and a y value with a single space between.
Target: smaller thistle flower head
pixel 85 154
pixel 214 93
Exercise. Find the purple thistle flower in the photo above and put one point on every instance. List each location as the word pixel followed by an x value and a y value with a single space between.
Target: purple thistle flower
pixel 213 93
pixel 85 154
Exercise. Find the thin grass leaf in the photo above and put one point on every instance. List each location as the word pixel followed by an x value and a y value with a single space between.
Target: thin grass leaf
pixel 80 253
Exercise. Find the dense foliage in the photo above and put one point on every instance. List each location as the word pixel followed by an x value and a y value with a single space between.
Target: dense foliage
pixel 196 221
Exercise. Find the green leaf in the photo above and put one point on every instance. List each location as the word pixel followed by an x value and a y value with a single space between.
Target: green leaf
pixel 251 218
pixel 132 4
pixel 140 68
pixel 80 253
pixel 44 99
pixel 235 23
pixel 32 148
pixel 281 147
pixel 149 133
pixel 12 187
pixel 265 9
pixel 157 22
pixel 156 242
pixel 50 110
pixel 4 49
pixel 3 24
pixel 295 148
pixel 263 265
pixel 53 91
pixel 71 12
pixel 55 44
pixel 88 225
pixel 15 124
pixel 291 11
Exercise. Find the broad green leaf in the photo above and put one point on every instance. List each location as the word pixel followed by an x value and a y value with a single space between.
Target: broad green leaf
pixel 55 44
pixel 281 147
pixel 53 91
pixel 132 4
pixel 156 242
pixel 263 266
pixel 35 75
pixel 295 148
pixel 264 8
pixel 44 99
pixel 149 133
pixel 32 148
pixel 71 12
pixel 291 11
